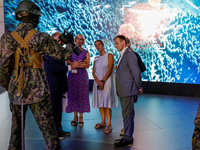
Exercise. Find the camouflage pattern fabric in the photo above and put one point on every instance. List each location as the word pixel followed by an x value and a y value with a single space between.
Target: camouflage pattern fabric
pixel 35 83
pixel 43 116
pixel 196 134
pixel 36 89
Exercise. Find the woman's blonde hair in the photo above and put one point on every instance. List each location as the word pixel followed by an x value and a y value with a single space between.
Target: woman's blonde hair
pixel 80 35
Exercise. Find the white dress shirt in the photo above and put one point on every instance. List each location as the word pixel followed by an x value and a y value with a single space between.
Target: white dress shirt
pixel 121 55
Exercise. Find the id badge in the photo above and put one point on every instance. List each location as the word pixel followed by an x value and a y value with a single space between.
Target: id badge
pixel 74 71
pixel 96 58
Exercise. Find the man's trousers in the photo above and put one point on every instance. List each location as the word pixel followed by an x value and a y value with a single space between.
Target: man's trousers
pixel 56 100
pixel 128 114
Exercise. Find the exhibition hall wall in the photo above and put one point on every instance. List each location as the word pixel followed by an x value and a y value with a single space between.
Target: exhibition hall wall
pixel 164 33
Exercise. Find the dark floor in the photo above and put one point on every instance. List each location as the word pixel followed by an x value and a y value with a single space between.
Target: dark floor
pixel 161 123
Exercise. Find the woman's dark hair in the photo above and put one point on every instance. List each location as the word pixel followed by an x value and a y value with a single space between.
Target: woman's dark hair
pixel 99 41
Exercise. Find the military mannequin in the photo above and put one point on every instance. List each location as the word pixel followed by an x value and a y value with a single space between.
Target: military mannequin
pixel 22 74
pixel 196 134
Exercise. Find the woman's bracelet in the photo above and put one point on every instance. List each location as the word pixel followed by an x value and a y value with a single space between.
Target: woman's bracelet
pixel 102 81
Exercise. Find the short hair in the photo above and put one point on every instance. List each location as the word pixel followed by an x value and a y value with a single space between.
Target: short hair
pixel 81 36
pixel 122 38
pixel 99 41
pixel 128 40
pixel 55 35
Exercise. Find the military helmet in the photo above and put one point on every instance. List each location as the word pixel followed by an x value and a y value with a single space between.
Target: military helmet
pixel 25 7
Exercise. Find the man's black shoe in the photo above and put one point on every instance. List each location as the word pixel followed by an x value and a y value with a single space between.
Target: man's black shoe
pixel 123 142
pixel 61 136
pixel 65 133
pixel 117 140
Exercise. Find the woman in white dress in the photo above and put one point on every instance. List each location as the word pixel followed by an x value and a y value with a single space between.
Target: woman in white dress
pixel 104 94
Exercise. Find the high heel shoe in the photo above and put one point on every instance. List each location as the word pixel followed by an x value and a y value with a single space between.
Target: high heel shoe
pixel 75 121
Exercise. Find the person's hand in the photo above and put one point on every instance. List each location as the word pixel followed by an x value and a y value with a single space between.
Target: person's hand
pixel 115 67
pixel 140 91
pixel 65 95
pixel 100 83
pixel 69 38
pixel 100 88
pixel 75 64
pixel 82 64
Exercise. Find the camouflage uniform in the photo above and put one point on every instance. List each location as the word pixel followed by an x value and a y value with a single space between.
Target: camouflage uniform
pixel 35 92
pixel 196 134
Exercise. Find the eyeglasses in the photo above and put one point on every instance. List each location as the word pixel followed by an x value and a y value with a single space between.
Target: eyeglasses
pixel 80 39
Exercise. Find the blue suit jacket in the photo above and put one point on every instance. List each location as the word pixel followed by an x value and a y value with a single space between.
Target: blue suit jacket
pixel 56 73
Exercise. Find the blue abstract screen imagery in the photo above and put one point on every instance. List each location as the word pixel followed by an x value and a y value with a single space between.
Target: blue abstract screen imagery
pixel 164 33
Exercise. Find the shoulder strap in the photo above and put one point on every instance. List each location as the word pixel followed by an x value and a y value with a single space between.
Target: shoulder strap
pixel 29 35
pixel 19 39
pixel 23 42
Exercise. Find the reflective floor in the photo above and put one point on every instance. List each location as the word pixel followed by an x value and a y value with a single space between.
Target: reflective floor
pixel 161 123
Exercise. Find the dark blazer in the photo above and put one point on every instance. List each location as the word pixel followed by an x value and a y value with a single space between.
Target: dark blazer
pixel 140 62
pixel 128 75
pixel 56 73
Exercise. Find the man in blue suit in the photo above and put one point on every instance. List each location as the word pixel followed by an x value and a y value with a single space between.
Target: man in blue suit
pixel 56 72
pixel 128 85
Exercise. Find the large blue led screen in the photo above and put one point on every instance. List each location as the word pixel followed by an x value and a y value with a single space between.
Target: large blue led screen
pixel 165 33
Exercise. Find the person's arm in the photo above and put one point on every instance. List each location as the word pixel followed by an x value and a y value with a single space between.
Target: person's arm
pixel 50 47
pixel 132 62
pixel 6 62
pixel 109 71
pixel 56 66
pixel 93 73
pixel 110 67
pixel 5 74
pixel 95 77
pixel 115 67
pixel 86 62
pixel 69 62
pixel 73 65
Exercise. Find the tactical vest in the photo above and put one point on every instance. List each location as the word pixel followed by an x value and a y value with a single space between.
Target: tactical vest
pixel 34 59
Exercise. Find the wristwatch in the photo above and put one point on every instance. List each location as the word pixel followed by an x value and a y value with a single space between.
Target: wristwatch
pixel 102 81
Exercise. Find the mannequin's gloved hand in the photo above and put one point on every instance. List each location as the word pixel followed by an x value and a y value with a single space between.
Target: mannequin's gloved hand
pixel 68 38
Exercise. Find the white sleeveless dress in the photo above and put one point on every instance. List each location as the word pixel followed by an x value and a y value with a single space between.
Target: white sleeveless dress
pixel 106 97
